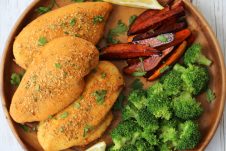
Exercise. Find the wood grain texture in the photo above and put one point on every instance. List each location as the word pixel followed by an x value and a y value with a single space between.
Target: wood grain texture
pixel 213 10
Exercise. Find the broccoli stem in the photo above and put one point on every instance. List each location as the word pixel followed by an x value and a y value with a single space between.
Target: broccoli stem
pixel 204 61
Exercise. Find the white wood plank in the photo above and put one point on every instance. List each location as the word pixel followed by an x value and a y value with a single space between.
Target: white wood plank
pixel 213 10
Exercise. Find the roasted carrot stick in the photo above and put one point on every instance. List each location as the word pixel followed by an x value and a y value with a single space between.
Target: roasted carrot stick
pixel 155 20
pixel 128 51
pixel 148 64
pixel 171 60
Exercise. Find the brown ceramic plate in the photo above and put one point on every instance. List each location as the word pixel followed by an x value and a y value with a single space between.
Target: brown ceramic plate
pixel 213 111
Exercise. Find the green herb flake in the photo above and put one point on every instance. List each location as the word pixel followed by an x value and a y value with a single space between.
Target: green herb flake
pixel 98 19
pixel 77 105
pixel 137 84
pixel 66 33
pixel 132 19
pixel 162 38
pixel 16 78
pixel 72 21
pixel 42 41
pixel 77 35
pixel 139 74
pixel 103 75
pixel 121 28
pixel 50 117
pixel 25 128
pixel 58 65
pixel 87 128
pixel 211 96
pixel 43 9
pixel 164 69
pixel 100 96
pixel 119 103
pixel 64 115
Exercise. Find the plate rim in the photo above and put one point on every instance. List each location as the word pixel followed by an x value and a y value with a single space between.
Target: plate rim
pixel 36 2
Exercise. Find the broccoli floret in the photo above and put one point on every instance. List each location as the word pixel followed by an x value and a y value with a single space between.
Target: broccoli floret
pixel 150 137
pixel 156 88
pixel 168 133
pixel 159 106
pixel 186 107
pixel 196 79
pixel 194 55
pixel 126 131
pixel 143 145
pixel 164 147
pixel 158 101
pixel 172 83
pixel 146 120
pixel 128 147
pixel 129 111
pixel 138 98
pixel 189 135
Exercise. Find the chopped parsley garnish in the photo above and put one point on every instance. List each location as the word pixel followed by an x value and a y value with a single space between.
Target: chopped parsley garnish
pixel 25 128
pixel 58 65
pixel 119 103
pixel 50 117
pixel 103 75
pixel 43 9
pixel 98 19
pixel 137 84
pixel 87 128
pixel 77 105
pixel 210 95
pixel 139 73
pixel 72 21
pixel 100 96
pixel 64 115
pixel 42 41
pixel 16 78
pixel 67 33
pixel 77 35
pixel 162 38
pixel 121 28
pixel 132 19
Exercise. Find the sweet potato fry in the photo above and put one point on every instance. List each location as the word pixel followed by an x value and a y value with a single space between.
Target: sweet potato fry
pixel 179 38
pixel 128 51
pixel 171 60
pixel 151 22
pixel 144 16
pixel 167 28
pixel 148 64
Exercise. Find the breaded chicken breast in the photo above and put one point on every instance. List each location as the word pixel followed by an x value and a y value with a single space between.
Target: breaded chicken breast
pixel 85 20
pixel 54 79
pixel 72 126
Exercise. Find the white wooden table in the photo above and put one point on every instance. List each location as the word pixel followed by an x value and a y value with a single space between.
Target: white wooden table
pixel 213 10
